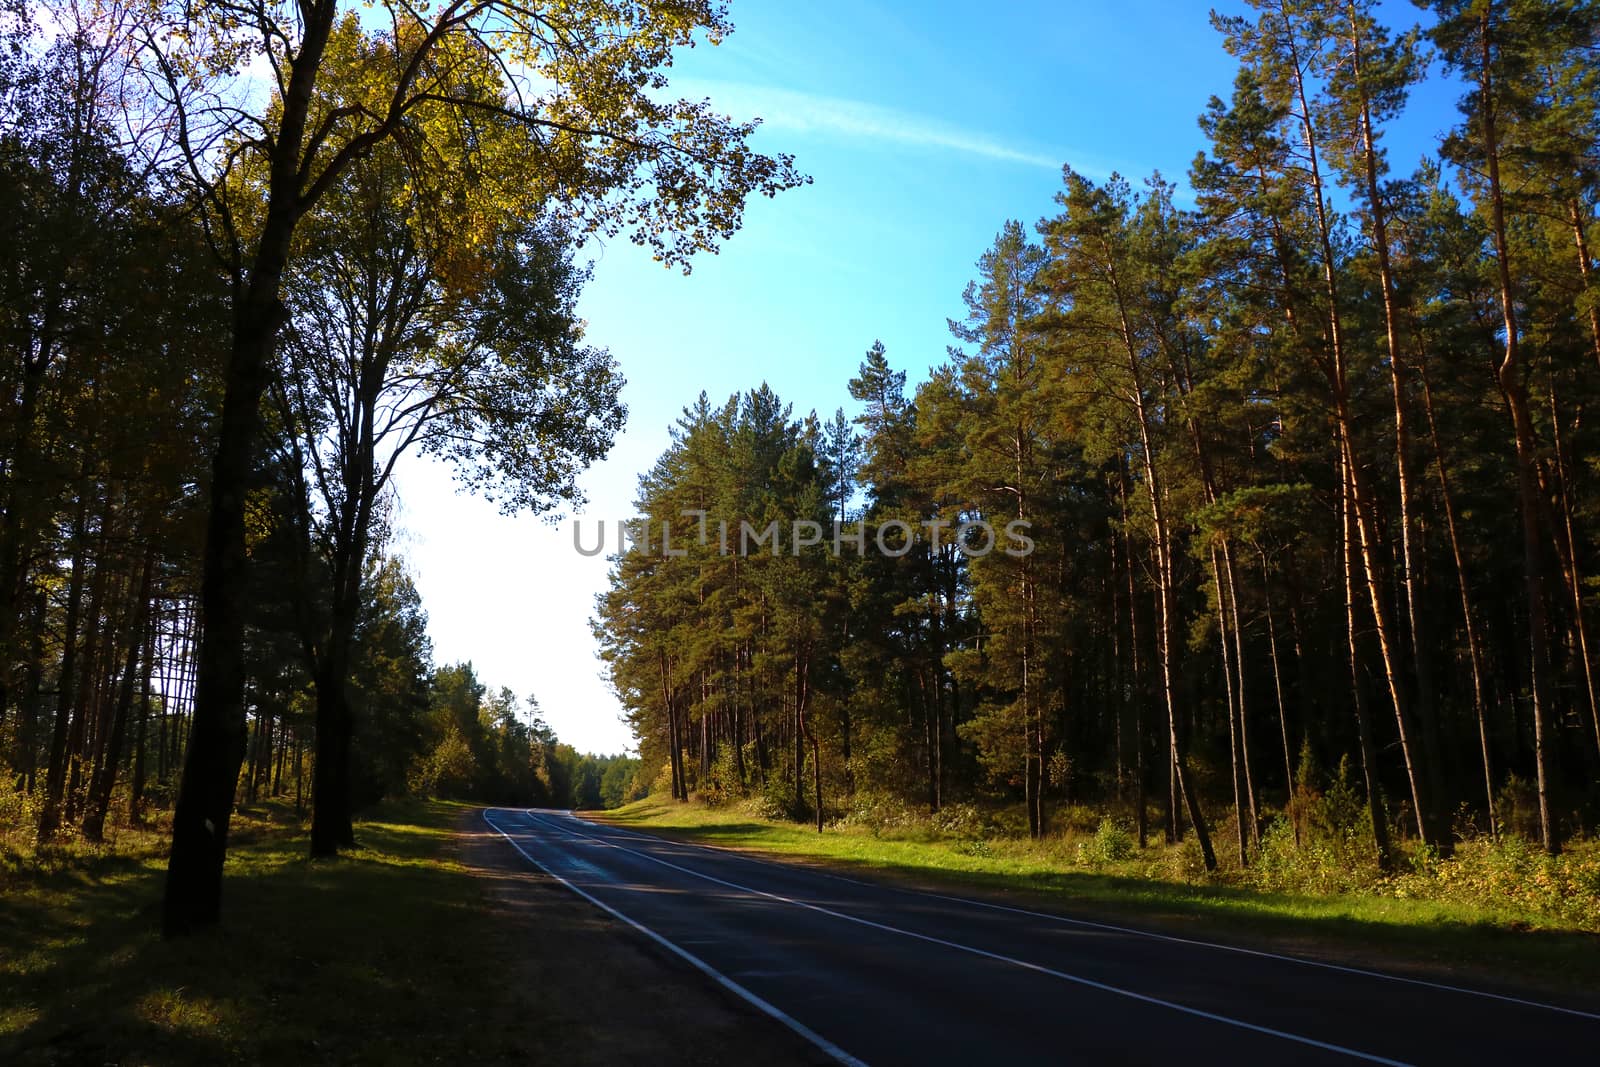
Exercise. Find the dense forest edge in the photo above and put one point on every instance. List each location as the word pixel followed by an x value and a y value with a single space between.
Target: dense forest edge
pixel 1301 588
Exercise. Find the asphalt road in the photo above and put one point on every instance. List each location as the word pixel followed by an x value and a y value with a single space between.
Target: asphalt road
pixel 875 974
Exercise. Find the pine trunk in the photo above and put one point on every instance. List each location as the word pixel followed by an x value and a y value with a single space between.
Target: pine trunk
pixel 1508 374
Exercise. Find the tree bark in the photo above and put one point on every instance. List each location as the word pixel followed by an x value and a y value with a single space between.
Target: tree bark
pixel 332 827
pixel 1366 525
pixel 1234 759
pixel 1369 753
pixel 1469 623
pixel 1283 714
pixel 1230 573
pixel 193 896
pixel 1438 830
pixel 1508 374
pixel 1166 606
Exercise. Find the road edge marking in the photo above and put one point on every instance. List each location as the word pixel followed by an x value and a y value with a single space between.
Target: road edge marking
pixel 755 1001
pixel 1326 1046
pixel 1365 972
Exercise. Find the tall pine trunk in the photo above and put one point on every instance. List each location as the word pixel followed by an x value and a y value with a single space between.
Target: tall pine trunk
pixel 1355 482
pixel 1436 818
pixel 1469 622
pixel 1358 691
pixel 1508 374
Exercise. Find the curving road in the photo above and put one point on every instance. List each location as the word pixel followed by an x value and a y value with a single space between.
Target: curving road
pixel 870 973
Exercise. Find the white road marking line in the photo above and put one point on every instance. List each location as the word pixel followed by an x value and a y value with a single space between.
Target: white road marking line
pixel 1133 931
pixel 738 990
pixel 1024 964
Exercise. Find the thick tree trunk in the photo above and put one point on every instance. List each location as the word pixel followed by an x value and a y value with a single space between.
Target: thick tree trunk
pixel 1032 711
pixel 193 897
pixel 937 650
pixel 332 827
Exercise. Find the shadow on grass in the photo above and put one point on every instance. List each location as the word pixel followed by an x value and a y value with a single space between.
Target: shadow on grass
pixel 373 957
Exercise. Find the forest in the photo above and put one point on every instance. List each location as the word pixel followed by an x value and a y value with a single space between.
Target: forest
pixel 1300 444
pixel 1217 601
pixel 1304 450
pixel 249 268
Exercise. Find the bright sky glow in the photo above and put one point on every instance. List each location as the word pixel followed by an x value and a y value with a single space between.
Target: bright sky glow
pixel 925 126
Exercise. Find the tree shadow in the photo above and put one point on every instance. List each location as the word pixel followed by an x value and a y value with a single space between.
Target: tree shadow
pixel 359 959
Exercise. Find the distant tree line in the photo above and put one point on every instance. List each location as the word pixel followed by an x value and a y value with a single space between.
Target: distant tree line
pixel 1308 468
pixel 487 748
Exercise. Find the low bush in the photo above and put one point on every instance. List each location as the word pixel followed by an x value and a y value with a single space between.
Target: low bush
pixel 1112 843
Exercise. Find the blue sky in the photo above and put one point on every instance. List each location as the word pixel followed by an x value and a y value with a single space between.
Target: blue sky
pixel 925 126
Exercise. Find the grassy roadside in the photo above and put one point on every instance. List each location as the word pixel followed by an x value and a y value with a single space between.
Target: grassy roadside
pixel 1483 941
pixel 379 956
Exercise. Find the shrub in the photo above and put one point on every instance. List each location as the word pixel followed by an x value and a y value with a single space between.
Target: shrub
pixel 1112 843
pixel 881 812
pixel 1079 818
pixel 1515 873
pixel 959 820
pixel 18 808
pixel 775 799
pixel 722 785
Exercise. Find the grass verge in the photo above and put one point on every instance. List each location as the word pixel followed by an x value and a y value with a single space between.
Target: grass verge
pixel 1484 943
pixel 386 954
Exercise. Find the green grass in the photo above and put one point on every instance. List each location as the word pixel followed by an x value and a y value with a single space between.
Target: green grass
pixel 1479 940
pixel 378 956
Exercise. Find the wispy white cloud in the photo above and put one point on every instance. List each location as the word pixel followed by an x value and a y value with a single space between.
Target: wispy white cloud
pixel 800 112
